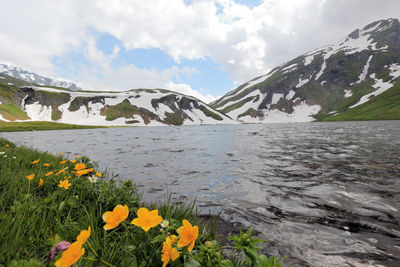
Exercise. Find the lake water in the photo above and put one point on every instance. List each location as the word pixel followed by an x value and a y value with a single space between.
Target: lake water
pixel 323 194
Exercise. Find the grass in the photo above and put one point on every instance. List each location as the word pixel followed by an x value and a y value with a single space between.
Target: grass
pixel 385 106
pixel 40 126
pixel 211 114
pixel 34 218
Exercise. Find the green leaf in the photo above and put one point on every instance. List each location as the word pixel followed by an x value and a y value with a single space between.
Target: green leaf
pixel 190 262
pixel 158 238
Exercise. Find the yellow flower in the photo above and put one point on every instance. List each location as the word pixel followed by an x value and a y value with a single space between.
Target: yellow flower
pixel 174 239
pixel 99 174
pixel 80 166
pixel 46 164
pixel 83 236
pixel 64 184
pixel 40 182
pixel 48 174
pixel 60 171
pixel 63 162
pixel 75 157
pixel 73 160
pixel 71 255
pixel 30 177
pixel 115 217
pixel 83 172
pixel 147 219
pixel 168 253
pixel 188 235
pixel 35 161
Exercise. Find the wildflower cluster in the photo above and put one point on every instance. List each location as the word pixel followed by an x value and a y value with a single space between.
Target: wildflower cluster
pixel 63 175
pixel 76 217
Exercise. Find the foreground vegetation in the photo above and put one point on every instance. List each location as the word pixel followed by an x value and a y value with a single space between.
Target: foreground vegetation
pixel 56 211
pixel 40 126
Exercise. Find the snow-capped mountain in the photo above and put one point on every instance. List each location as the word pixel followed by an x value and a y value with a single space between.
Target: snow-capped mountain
pixel 21 101
pixel 324 82
pixel 35 78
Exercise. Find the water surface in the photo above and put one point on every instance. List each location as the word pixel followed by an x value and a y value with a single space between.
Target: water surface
pixel 323 194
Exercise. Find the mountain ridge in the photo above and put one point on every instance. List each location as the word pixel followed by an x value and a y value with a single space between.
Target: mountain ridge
pixel 319 81
pixel 23 101
pixel 35 78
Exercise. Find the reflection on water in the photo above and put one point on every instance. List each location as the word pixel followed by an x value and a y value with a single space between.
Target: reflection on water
pixel 323 194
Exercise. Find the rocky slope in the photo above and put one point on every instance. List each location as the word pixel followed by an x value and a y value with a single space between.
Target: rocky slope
pixel 35 78
pixel 23 101
pixel 324 82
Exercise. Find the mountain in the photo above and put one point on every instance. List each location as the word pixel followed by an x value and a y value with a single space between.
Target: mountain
pixel 330 83
pixel 24 101
pixel 35 78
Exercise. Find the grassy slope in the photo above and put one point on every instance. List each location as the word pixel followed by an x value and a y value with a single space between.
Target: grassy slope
pixel 385 106
pixel 40 126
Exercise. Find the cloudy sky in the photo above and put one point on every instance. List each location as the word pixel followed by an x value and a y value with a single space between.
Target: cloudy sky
pixel 202 48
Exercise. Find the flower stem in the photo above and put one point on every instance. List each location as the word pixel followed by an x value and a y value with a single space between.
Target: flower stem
pixel 102 261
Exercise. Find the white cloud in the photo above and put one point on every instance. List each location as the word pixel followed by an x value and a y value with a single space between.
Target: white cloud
pixel 245 41
pixel 187 90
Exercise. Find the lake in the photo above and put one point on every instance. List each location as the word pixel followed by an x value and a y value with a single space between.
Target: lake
pixel 323 194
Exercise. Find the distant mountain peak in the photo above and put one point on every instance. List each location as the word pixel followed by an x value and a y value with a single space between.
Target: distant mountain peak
pixel 35 78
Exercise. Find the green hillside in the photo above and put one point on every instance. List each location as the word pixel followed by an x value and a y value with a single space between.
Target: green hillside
pixel 385 106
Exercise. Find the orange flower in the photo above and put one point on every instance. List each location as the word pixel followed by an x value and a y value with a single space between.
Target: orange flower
pixel 64 184
pixel 7 145
pixel 71 255
pixel 40 182
pixel 83 236
pixel 30 177
pixel 73 160
pixel 68 177
pixel 99 174
pixel 46 164
pixel 147 219
pixel 168 253
pixel 63 162
pixel 188 235
pixel 48 174
pixel 115 217
pixel 174 239
pixel 83 172
pixel 35 161
pixel 59 153
pixel 60 171
pixel 80 166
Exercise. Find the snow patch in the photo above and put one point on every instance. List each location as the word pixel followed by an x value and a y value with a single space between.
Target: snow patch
pixel 10 84
pixel 302 82
pixel 3 119
pixel 1 77
pixel 37 112
pixel 289 68
pixel 364 73
pixel 275 98
pixel 290 95
pixel 323 67
pixel 394 70
pixel 301 113
pixel 347 93
pixel 380 87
